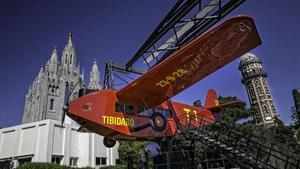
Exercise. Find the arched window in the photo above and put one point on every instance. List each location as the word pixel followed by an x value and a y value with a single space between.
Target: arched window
pixel 71 59
pixel 71 85
pixel 51 104
pixel 57 90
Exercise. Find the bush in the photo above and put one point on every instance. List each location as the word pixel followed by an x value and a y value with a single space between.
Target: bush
pixel 131 148
pixel 46 166
pixel 115 167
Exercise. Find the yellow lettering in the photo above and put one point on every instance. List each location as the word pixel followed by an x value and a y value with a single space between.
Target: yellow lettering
pixel 187 111
pixel 123 122
pixel 195 113
pixel 171 77
pixel 103 119
pixel 111 120
pixel 162 83
pixel 182 71
pixel 127 122
pixel 119 121
pixel 216 102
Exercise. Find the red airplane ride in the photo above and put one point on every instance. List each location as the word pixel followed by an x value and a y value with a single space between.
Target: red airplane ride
pixel 142 110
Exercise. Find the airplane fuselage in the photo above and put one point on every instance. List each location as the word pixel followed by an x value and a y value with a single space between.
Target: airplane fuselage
pixel 100 112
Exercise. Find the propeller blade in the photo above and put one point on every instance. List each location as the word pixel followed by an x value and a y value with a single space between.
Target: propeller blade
pixel 66 103
pixel 66 100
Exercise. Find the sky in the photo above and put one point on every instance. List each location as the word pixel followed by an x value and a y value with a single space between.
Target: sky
pixel 115 30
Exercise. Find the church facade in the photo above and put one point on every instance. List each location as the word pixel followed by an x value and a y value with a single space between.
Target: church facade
pixel 41 137
pixel 45 97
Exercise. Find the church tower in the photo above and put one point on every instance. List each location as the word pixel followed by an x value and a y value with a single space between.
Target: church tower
pixel 54 87
pixel 94 77
pixel 70 69
pixel 255 81
pixel 45 97
pixel 69 57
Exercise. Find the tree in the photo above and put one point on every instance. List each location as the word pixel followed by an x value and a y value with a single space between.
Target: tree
pixel 241 120
pixel 278 133
pixel 130 148
pixel 234 114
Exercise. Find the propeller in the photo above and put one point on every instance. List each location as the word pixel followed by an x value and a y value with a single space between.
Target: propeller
pixel 66 101
pixel 66 104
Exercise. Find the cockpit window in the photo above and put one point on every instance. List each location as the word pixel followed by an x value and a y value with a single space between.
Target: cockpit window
pixel 128 108
pixel 118 108
pixel 145 112
pixel 165 112
pixel 124 108
pixel 149 112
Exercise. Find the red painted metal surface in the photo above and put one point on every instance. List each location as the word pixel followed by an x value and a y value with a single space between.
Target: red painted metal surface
pixel 98 111
pixel 193 62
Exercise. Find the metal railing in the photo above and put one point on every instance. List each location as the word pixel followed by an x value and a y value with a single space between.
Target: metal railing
pixel 246 148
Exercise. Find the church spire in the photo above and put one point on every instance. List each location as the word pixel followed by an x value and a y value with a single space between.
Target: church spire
pixel 94 77
pixel 69 56
pixel 53 63
pixel 95 69
pixel 53 58
pixel 82 75
pixel 70 43
pixel 41 73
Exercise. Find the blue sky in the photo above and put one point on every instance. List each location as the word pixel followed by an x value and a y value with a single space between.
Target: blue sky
pixel 116 29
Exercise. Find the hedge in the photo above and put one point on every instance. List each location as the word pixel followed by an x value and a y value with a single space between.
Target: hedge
pixel 115 167
pixel 56 166
pixel 46 166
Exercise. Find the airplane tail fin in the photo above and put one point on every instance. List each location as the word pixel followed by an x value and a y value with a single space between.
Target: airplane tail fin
pixel 211 99
pixel 212 102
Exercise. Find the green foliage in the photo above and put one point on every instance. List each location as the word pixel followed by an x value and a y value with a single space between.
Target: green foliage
pixel 115 167
pixel 295 116
pixel 46 166
pixel 226 99
pixel 233 114
pixel 197 103
pixel 56 166
pixel 131 148
pixel 295 119
pixel 278 133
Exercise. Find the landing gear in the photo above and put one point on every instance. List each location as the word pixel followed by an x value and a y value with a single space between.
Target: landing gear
pixel 158 122
pixel 109 143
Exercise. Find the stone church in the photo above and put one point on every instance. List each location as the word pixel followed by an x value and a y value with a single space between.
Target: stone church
pixel 41 137
pixel 46 95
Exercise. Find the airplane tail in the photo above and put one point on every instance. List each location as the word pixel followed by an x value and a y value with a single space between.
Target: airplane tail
pixel 211 99
pixel 212 102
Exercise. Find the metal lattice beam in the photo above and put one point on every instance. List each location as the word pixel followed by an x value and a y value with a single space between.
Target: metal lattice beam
pixel 185 21
pixel 110 72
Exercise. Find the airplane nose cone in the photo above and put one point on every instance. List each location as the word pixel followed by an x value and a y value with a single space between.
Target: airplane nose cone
pixel 78 106
pixel 89 107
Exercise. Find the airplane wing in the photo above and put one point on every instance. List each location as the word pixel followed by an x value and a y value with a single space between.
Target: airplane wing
pixel 193 62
